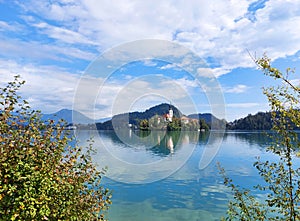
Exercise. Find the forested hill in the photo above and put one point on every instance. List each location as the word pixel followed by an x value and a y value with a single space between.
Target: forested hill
pixel 121 120
pixel 259 121
pixel 160 109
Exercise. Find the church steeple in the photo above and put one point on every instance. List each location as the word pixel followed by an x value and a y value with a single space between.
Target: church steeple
pixel 170 114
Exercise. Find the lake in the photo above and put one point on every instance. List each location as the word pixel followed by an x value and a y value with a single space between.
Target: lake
pixel 167 176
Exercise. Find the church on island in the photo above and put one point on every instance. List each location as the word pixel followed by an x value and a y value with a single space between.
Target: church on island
pixel 170 122
pixel 169 116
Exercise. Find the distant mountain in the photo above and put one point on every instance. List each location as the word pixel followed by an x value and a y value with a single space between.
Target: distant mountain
pixel 67 115
pixel 103 119
pixel 210 119
pixel 122 120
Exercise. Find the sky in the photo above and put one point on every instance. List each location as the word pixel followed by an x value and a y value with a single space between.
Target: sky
pixel 58 48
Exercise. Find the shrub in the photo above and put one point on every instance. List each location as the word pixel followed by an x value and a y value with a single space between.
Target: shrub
pixel 42 175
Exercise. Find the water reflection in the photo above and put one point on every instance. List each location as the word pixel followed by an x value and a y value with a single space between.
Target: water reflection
pixel 164 143
pixel 159 154
pixel 142 156
pixel 160 143
pixel 262 139
pixel 182 191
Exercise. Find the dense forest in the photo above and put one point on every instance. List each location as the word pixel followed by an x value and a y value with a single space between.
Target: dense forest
pixel 258 121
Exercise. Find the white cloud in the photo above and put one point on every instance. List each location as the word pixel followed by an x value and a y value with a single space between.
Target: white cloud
pixel 295 82
pixel 47 88
pixel 218 29
pixel 186 84
pixel 63 34
pixel 237 89
pixel 221 70
pixel 40 51
pixel 242 105
pixel 149 63
pixel 51 89
pixel 5 26
pixel 117 97
pixel 206 72
pixel 170 66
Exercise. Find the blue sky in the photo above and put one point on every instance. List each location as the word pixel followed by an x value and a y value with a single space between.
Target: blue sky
pixel 52 44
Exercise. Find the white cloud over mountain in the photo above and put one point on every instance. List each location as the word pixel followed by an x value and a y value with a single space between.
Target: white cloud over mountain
pixel 52 42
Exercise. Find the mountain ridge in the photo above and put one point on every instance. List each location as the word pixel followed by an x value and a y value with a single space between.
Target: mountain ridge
pixel 133 118
pixel 68 115
pixel 121 120
pixel 258 121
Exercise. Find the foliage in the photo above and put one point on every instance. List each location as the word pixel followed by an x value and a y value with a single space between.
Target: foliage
pixel 282 186
pixel 157 122
pixel 43 176
pixel 203 125
pixel 144 124
pixel 174 125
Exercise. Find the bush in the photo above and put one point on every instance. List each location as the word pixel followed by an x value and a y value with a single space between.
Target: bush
pixel 43 176
pixel 282 178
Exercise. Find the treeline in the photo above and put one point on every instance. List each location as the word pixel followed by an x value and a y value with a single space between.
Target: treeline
pixel 258 121
pixel 137 120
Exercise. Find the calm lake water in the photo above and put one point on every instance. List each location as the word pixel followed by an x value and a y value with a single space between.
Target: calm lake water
pixel 174 176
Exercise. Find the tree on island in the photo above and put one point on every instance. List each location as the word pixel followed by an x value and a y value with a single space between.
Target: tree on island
pixel 42 175
pixel 174 125
pixel 282 178
pixel 203 125
pixel 144 124
pixel 185 124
